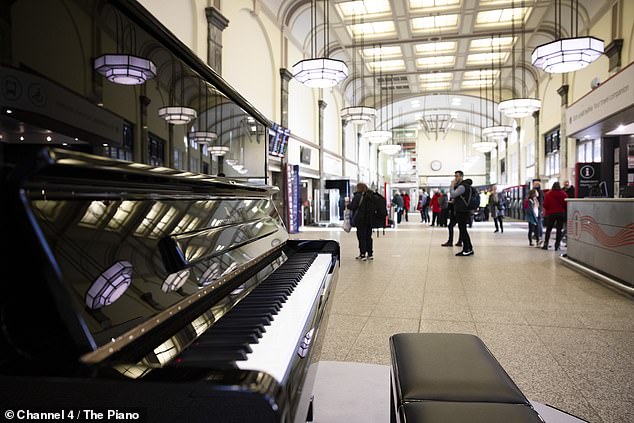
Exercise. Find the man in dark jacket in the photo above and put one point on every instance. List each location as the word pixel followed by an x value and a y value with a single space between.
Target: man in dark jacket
pixel 361 219
pixel 460 191
pixel 399 205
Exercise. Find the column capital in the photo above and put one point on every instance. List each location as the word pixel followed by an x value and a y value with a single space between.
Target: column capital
pixel 286 74
pixel 322 104
pixel 563 93
pixel 613 51
pixel 536 115
pixel 215 18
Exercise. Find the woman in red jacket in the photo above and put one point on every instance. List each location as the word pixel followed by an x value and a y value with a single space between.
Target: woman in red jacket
pixel 554 213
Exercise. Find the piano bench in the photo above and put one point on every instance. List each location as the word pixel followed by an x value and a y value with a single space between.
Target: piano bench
pixel 443 377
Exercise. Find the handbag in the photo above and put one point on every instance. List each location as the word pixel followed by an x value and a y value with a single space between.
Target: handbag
pixel 347 223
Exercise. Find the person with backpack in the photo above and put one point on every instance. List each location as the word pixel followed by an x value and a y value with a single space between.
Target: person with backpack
pixel 466 200
pixel 361 208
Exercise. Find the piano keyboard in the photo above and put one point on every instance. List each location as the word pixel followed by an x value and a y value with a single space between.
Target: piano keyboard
pixel 262 332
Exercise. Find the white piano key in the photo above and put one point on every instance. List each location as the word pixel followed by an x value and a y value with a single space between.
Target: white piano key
pixel 274 352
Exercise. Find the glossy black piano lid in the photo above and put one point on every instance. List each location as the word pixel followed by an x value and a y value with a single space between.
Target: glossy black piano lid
pixel 104 227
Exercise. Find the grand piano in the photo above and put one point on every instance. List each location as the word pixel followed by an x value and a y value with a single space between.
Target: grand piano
pixel 177 295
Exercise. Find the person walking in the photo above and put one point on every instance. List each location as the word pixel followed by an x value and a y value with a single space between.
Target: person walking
pixel 361 219
pixel 397 200
pixel 554 213
pixel 533 215
pixel 424 204
pixel 443 201
pixel 460 192
pixel 435 209
pixel 497 206
pixel 406 205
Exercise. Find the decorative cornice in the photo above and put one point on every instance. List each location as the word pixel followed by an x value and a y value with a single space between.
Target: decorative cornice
pixel 216 18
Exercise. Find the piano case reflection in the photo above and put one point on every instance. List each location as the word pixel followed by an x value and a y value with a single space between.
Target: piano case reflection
pixel 175 293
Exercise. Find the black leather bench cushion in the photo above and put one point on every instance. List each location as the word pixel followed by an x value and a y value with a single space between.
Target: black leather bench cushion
pixel 467 412
pixel 449 367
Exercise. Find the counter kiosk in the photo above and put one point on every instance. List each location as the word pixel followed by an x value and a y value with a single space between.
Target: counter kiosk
pixel 600 234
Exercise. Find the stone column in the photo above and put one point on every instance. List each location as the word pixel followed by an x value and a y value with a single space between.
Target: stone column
pixel 322 106
pixel 538 141
pixel 344 123
pixel 216 23
pixel 285 77
pixel 487 168
pixel 564 171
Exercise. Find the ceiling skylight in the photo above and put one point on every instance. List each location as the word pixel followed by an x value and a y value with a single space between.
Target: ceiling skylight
pixel 432 4
pixel 373 29
pixel 349 9
pixel 382 52
pixel 485 58
pixel 430 86
pixel 435 23
pixel 436 76
pixel 485 44
pixel 435 61
pixel 481 74
pixel 435 48
pixel 387 65
pixel 477 83
pixel 498 17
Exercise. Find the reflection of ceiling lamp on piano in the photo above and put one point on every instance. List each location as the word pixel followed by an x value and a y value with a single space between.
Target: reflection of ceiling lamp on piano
pixel 567 54
pixel 175 281
pixel 177 115
pixel 218 150
pixel 109 286
pixel 125 69
pixel 231 162
pixel 320 72
pixel 121 68
pixel 202 137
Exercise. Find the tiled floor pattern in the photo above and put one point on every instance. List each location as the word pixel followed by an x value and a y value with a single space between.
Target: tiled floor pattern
pixel 566 340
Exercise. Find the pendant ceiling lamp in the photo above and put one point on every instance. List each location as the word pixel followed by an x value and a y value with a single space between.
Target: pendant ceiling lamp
pixel 203 136
pixel 390 148
pixel 177 114
pixel 377 136
pixel 496 132
pixel 357 114
pixel 483 146
pixel 125 68
pixel 567 54
pixel 522 107
pixel 320 72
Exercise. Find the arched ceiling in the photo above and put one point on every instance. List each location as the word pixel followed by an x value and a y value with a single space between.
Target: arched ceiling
pixel 411 42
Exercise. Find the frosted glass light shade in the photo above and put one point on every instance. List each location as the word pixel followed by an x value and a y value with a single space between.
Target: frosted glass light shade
pixel 125 69
pixel 390 149
pixel 377 137
pixel 203 137
pixel 484 146
pixel 177 115
pixel 520 107
pixel 320 73
pixel 567 54
pixel 358 114
pixel 218 150
pixel 497 132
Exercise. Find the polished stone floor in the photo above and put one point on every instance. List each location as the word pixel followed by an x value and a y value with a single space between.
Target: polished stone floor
pixel 566 340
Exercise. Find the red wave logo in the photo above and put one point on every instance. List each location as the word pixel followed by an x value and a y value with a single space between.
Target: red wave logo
pixel 580 224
